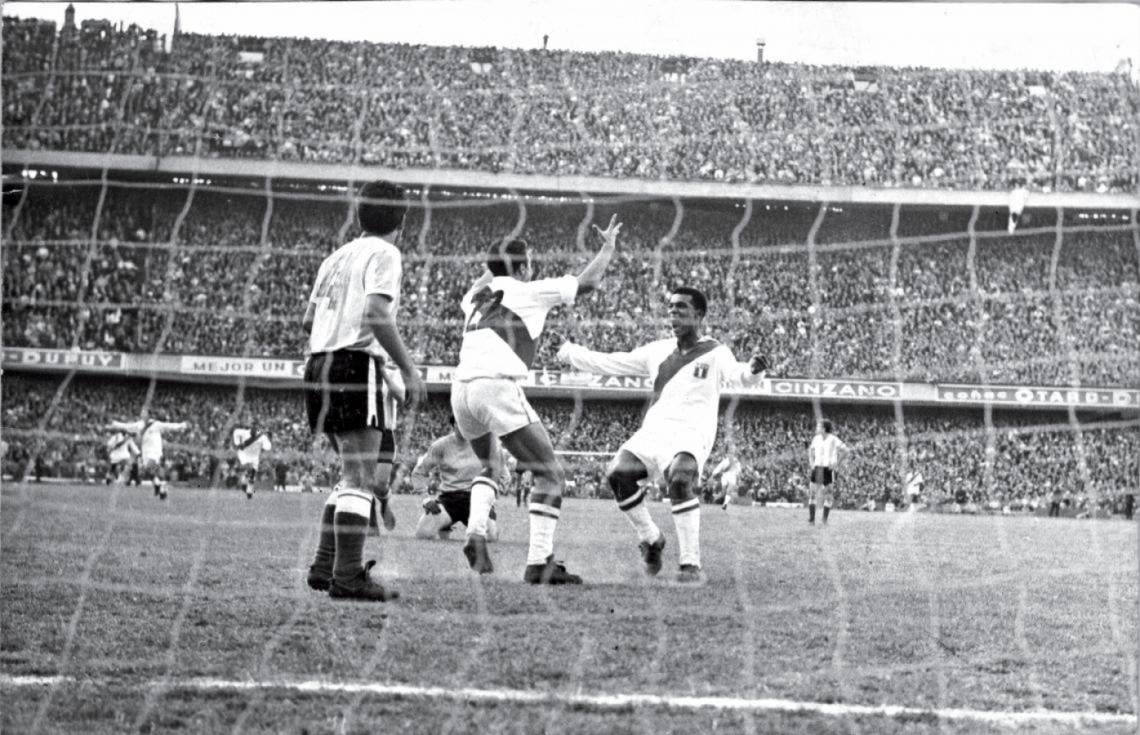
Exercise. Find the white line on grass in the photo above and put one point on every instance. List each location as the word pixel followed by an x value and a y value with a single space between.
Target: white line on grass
pixel 611 701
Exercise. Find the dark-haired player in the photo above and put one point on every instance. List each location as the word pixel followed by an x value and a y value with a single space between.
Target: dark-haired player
pixel 351 320
pixel 504 312
pixel 679 428
pixel 149 432
pixel 823 456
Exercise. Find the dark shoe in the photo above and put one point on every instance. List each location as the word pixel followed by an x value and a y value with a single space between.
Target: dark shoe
pixel 361 587
pixel 319 578
pixel 651 554
pixel 476 552
pixel 689 573
pixel 549 572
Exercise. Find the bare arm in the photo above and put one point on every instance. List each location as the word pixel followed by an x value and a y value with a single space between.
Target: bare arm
pixel 613 363
pixel 591 275
pixel 378 315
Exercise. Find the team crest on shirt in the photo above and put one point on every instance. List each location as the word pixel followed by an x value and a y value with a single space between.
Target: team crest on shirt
pixel 701 370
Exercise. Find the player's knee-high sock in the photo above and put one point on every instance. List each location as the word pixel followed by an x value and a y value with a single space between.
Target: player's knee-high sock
pixel 631 500
pixel 326 538
pixel 545 509
pixel 811 512
pixel 826 511
pixel 687 521
pixel 350 527
pixel 483 491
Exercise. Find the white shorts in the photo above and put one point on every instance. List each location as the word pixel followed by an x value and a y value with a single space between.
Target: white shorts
pixel 490 406
pixel 118 457
pixel 147 458
pixel 656 449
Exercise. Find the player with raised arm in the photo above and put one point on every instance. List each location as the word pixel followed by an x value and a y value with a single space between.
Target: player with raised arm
pixel 351 321
pixel 149 431
pixel 121 450
pixel 679 428
pixel 504 313
pixel 728 472
pixel 823 457
pixel 250 443
pixel 452 461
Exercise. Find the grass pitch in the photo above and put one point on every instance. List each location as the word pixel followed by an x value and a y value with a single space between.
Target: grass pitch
pixel 125 614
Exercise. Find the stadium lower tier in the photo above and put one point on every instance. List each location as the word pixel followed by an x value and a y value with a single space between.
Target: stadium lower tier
pixel 53 427
pixel 856 291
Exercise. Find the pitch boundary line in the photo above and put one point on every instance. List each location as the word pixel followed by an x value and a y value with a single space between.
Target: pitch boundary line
pixel 610 701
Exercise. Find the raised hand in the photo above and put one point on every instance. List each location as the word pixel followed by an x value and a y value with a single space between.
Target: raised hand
pixel 610 233
pixel 758 364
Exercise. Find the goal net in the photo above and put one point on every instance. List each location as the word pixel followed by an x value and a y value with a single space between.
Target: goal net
pixel 157 263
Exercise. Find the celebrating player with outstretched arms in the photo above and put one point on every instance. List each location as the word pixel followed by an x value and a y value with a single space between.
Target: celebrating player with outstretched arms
pixel 504 313
pixel 679 428
pixel 149 431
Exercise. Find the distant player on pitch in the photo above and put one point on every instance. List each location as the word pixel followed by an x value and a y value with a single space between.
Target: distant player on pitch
pixel 679 428
pixel 728 471
pixel 351 320
pixel 149 431
pixel 451 459
pixel 823 457
pixel 504 312
pixel 121 450
pixel 250 443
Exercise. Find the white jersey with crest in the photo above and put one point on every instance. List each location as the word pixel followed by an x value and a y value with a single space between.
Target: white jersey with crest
pixel 503 321
pixel 367 265
pixel 249 453
pixel 683 415
pixel 121 447
pixel 150 435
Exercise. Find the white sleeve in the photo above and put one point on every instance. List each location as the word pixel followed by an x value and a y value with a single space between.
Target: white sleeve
pixel 611 363
pixel 552 292
pixel 167 426
pixel 737 373
pixel 382 273
pixel 130 426
pixel 266 444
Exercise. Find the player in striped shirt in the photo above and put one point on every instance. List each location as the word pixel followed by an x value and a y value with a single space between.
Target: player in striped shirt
pixel 824 455
pixel 250 443
pixel 679 428
pixel 149 431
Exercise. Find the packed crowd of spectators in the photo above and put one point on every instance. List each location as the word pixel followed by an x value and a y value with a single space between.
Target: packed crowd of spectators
pixel 1016 459
pixel 564 113
pixel 147 267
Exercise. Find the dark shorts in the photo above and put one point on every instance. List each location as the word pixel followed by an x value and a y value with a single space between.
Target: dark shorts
pixel 458 506
pixel 822 475
pixel 342 392
pixel 387 447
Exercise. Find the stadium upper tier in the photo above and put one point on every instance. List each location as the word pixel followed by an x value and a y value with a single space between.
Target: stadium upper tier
pixel 1005 456
pixel 564 113
pixel 824 291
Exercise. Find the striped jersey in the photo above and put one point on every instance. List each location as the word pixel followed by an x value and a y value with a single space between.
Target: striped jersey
pixel 824 450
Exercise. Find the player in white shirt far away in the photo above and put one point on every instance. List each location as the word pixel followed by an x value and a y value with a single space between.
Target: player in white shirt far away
pixel 679 428
pixel 121 450
pixel 728 471
pixel 149 431
pixel 351 321
pixel 250 443
pixel 823 457
pixel 504 312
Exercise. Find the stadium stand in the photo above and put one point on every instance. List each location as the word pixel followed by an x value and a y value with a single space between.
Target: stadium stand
pixel 101 88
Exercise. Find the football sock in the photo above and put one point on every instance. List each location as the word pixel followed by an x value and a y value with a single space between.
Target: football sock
pixel 483 491
pixel 811 513
pixel 631 500
pixel 350 526
pixel 687 520
pixel 826 511
pixel 545 511
pixel 326 540
pixel 646 529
